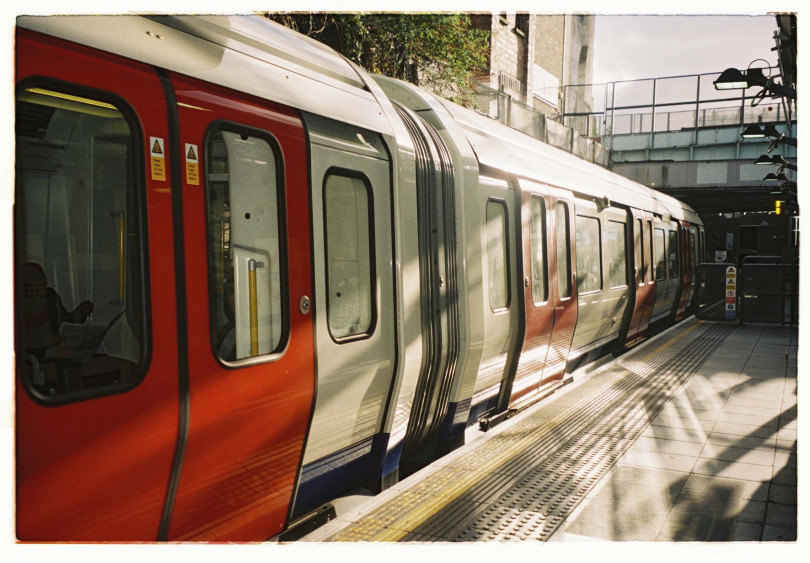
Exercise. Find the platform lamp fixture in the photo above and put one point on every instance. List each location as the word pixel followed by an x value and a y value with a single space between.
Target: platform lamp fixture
pixel 770 131
pixel 735 79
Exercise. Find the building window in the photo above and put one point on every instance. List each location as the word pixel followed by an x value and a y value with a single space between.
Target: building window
pixel 79 232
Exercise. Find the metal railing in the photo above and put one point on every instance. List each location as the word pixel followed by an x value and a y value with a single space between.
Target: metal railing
pixel 665 104
pixel 764 290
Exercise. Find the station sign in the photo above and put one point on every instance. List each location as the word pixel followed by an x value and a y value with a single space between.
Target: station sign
pixel 731 293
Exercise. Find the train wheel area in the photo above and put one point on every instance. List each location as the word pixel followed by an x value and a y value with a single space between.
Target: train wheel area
pixel 688 437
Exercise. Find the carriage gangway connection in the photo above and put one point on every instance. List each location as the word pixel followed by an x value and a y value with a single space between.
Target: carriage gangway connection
pixel 689 437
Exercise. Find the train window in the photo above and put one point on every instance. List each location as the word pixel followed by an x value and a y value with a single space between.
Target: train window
pixel 244 241
pixel 349 274
pixel 79 232
pixel 563 250
pixel 539 265
pixel 673 254
pixel 660 255
pixel 617 259
pixel 638 246
pixel 497 255
pixel 649 260
pixel 589 258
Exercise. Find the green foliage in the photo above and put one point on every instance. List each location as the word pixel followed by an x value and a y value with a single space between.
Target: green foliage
pixel 440 52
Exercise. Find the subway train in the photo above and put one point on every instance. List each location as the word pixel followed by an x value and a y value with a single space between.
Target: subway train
pixel 251 277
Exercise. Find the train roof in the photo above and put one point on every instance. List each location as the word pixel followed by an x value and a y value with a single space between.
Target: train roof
pixel 247 53
pixel 504 148
pixel 257 56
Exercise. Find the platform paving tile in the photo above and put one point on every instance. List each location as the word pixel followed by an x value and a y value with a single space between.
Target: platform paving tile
pixel 752 410
pixel 744 455
pixel 658 460
pixel 662 445
pixel 753 512
pixel 744 531
pixel 733 470
pixel 691 524
pixel 782 515
pixel 784 476
pixel 681 434
pixel 785 459
pixel 680 422
pixel 739 441
pixel 770 403
pixel 744 429
pixel 777 533
pixel 684 412
pixel 750 419
pixel 783 494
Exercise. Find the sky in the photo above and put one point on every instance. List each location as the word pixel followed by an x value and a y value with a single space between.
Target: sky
pixel 628 47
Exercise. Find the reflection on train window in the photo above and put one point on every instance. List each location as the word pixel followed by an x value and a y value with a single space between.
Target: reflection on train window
pixel 244 244
pixel 497 258
pixel 589 260
pixel 660 256
pixel 617 260
pixel 539 265
pixel 79 230
pixel 638 246
pixel 348 236
pixel 563 250
pixel 673 254
pixel 650 260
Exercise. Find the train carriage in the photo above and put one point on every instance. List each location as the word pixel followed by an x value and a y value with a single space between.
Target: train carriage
pixel 250 277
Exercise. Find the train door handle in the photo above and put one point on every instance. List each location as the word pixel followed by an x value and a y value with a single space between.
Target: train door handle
pixel 304 304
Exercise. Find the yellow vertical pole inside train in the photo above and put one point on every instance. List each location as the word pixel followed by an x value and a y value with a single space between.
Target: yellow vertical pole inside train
pixel 254 313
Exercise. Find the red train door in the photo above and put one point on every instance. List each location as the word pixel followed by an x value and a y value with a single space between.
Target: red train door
pixel 562 281
pixel 538 297
pixel 644 282
pixel 687 262
pixel 248 271
pixel 97 386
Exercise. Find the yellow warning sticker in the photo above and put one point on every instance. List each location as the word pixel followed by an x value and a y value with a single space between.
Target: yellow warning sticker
pixel 158 158
pixel 192 165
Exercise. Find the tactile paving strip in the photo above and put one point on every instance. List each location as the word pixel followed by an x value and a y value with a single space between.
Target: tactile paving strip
pixel 524 482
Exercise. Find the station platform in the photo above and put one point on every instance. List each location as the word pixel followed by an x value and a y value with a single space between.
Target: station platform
pixel 688 437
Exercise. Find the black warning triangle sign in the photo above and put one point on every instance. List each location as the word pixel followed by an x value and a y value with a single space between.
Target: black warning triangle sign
pixel 191 154
pixel 156 148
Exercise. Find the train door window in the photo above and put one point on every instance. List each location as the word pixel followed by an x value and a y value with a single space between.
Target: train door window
pixel 589 259
pixel 563 250
pixel 245 230
pixel 616 247
pixel 638 249
pixel 539 264
pixel 660 255
pixel 672 248
pixel 497 255
pixel 693 244
pixel 79 231
pixel 649 259
pixel 348 236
